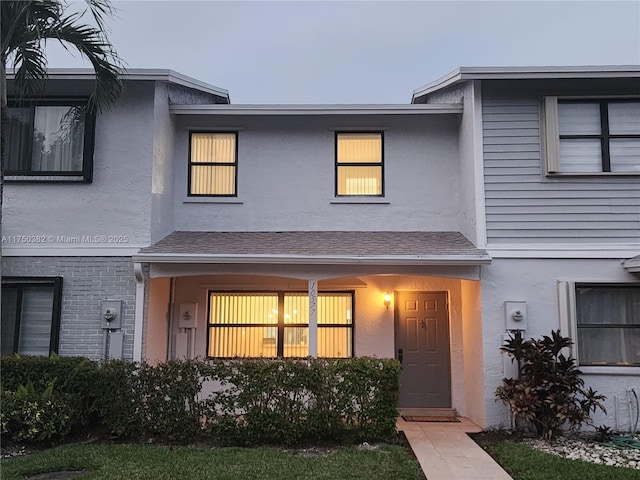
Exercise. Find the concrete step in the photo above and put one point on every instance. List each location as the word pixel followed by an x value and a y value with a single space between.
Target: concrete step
pixel 428 412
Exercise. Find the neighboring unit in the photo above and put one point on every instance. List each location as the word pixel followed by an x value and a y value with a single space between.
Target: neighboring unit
pixel 178 225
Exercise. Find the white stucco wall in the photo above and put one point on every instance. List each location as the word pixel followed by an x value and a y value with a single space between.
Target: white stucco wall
pixel 162 183
pixel 286 169
pixel 116 203
pixel 535 282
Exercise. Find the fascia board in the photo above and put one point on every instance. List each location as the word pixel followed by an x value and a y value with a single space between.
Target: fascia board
pixel 314 260
pixel 254 110
pixel 632 265
pixel 137 74
pixel 526 73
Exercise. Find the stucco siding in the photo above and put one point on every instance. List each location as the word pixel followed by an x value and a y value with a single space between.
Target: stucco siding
pixel 535 281
pixel 525 206
pixel 286 175
pixel 86 282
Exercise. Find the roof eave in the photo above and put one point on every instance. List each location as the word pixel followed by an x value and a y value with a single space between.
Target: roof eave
pixel 526 73
pixel 192 258
pixel 137 74
pixel 253 110
pixel 632 265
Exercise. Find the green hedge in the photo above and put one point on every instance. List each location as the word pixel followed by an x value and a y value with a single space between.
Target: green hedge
pixel 300 401
pixel 45 398
pixel 257 401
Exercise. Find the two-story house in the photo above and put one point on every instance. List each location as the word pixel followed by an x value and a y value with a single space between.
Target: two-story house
pixel 180 225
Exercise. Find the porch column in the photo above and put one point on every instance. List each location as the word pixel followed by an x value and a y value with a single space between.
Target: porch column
pixel 313 318
pixel 139 313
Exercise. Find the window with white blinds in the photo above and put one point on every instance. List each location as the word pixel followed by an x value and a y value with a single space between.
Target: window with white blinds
pixel 276 324
pixel 30 316
pixel 359 164
pixel 592 136
pixel 213 164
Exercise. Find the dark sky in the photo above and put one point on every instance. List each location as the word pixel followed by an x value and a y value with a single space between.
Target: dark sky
pixel 365 51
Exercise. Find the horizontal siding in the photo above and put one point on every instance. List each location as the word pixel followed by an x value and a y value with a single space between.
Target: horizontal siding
pixel 523 206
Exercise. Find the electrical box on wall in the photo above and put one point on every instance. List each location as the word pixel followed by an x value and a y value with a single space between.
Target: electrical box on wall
pixel 187 318
pixel 111 314
pixel 515 315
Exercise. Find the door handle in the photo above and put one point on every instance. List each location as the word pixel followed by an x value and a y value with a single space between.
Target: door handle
pixel 400 355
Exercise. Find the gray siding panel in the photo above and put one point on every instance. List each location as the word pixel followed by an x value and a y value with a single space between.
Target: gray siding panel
pixel 523 206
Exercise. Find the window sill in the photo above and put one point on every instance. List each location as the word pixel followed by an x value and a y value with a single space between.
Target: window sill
pixel 609 370
pixel 359 200
pixel 219 200
pixel 590 174
pixel 45 179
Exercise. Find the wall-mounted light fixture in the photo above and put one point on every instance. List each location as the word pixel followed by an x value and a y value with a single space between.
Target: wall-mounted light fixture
pixel 387 299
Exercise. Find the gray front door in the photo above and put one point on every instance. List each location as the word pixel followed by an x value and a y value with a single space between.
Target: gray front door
pixel 422 345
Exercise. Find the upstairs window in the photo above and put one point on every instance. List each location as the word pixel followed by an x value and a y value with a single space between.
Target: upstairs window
pixel 213 164
pixel 592 136
pixel 30 315
pixel 49 141
pixel 359 164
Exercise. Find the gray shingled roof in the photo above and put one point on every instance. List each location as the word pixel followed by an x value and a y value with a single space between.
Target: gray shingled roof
pixel 324 244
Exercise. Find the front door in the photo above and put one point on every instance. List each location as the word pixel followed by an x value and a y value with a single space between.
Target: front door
pixel 422 345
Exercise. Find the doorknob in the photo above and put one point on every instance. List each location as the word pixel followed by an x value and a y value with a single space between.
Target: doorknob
pixel 400 355
pixel 423 324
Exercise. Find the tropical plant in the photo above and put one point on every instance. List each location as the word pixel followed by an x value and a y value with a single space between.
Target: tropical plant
pixel 548 393
pixel 27 25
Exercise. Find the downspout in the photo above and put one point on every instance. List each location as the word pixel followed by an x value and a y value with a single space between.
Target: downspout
pixel 139 313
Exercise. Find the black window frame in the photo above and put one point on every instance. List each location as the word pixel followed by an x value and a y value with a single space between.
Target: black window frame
pixel 605 136
pixel 20 283
pixel 596 326
pixel 280 326
pixel 213 164
pixel 83 176
pixel 359 164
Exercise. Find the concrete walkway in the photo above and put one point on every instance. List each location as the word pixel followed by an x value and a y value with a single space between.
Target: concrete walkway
pixel 446 452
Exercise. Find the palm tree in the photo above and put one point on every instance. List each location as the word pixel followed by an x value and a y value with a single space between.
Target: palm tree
pixel 26 25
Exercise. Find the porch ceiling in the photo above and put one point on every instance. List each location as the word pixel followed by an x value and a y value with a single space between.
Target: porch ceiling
pixel 326 247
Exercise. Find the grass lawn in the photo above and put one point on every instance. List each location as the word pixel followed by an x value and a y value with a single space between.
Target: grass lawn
pixel 524 463
pixel 163 462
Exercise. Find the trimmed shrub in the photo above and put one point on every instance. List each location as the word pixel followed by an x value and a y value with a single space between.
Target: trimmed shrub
pixel 35 416
pixel 548 393
pixel 141 400
pixel 260 401
pixel 299 401
pixel 73 378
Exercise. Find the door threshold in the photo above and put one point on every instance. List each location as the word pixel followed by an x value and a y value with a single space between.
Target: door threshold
pixel 428 412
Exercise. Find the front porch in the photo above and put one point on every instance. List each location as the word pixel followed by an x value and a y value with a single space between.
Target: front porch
pixel 217 306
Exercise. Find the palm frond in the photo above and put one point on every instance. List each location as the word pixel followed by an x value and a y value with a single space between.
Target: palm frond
pixel 28 24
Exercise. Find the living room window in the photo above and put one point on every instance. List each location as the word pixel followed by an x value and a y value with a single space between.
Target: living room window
pixel 608 324
pixel 276 324
pixel 30 315
pixel 49 141
pixel 213 164
pixel 592 136
pixel 359 164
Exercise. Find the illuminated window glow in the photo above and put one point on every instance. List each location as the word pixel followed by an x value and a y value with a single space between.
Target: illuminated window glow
pixel 359 164
pixel 252 325
pixel 213 164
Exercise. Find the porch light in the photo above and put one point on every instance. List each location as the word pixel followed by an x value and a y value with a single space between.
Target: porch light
pixel 387 299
